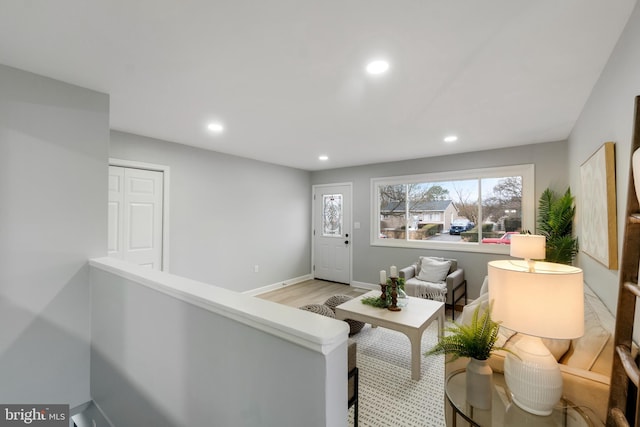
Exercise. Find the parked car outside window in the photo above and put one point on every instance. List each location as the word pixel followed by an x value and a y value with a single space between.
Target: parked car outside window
pixel 458 226
pixel 505 239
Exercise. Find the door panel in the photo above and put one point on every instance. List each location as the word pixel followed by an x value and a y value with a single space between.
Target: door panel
pixel 115 212
pixel 323 262
pixel 332 230
pixel 340 255
pixel 141 186
pixel 141 219
pixel 113 240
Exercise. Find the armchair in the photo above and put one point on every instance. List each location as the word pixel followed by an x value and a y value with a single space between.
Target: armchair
pixel 436 278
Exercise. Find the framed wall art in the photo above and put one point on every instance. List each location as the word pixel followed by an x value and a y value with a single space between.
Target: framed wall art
pixel 599 229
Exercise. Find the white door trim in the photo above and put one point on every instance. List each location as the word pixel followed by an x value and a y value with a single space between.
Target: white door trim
pixel 165 199
pixel 313 222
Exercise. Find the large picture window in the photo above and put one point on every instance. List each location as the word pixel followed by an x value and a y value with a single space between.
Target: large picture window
pixel 474 210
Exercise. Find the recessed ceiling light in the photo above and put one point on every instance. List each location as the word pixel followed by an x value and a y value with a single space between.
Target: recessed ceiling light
pixel 450 138
pixel 377 67
pixel 323 158
pixel 215 127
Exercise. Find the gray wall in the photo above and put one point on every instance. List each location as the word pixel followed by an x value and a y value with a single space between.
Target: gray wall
pixel 54 141
pixel 550 161
pixel 229 214
pixel 160 361
pixel 608 116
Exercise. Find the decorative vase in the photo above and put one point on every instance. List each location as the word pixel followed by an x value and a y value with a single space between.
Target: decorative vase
pixel 402 298
pixel 479 383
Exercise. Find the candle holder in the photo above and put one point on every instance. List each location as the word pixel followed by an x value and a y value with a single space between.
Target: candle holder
pixel 394 295
pixel 384 287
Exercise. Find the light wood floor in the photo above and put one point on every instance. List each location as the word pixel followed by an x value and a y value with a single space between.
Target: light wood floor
pixel 310 292
pixel 317 292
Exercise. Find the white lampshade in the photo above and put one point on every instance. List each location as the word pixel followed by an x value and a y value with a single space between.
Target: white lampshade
pixel 528 246
pixel 547 302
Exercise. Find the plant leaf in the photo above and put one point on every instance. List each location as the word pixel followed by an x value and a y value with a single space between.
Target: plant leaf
pixel 476 339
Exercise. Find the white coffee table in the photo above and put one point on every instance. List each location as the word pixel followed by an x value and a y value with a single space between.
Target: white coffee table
pixel 412 320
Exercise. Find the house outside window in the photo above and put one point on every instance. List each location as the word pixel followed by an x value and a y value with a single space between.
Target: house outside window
pixel 466 210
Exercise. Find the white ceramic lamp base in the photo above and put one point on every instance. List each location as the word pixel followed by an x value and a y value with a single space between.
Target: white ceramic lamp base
pixel 534 379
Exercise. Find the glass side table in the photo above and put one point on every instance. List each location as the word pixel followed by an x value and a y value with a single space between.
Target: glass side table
pixel 503 411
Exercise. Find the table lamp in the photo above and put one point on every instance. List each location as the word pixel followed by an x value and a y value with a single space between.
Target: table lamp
pixel 528 246
pixel 537 299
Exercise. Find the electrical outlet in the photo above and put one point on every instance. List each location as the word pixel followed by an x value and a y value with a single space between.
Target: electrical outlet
pixel 256 268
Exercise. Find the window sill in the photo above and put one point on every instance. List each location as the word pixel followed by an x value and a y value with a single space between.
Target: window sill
pixel 444 246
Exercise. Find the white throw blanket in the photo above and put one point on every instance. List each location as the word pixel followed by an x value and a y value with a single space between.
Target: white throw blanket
pixel 421 289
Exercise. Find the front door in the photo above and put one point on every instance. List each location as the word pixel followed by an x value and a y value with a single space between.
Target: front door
pixel 332 232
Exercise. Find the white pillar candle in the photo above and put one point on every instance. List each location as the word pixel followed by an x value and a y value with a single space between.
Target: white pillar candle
pixel 393 271
pixel 383 277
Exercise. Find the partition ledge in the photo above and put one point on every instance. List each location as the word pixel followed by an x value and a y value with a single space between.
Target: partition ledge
pixel 309 330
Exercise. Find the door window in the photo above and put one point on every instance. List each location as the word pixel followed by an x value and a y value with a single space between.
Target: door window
pixel 332 215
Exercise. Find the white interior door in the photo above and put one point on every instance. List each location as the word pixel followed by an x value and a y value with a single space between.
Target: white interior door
pixel 135 216
pixel 332 233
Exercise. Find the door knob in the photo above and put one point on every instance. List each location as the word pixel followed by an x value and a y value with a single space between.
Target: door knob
pixel 346 242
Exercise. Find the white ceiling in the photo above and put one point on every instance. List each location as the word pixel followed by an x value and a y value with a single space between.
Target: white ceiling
pixel 287 76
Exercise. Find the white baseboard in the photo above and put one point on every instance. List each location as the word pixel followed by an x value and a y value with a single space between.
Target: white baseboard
pixel 365 285
pixel 278 285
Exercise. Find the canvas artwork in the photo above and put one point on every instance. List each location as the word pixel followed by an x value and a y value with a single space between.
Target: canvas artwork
pixel 599 229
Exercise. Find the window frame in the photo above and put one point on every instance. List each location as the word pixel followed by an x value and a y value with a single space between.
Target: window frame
pixel 526 171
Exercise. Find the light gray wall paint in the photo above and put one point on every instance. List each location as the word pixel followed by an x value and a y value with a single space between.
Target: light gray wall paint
pixel 159 361
pixel 550 161
pixel 608 116
pixel 229 214
pixel 54 141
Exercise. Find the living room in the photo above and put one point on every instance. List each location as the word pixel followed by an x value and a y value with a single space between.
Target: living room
pixel 56 225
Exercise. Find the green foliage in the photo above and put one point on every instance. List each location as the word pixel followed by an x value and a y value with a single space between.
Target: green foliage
pixel 475 340
pixel 375 301
pixel 555 222
pixel 430 229
pixel 379 302
pixel 470 235
pixel 425 231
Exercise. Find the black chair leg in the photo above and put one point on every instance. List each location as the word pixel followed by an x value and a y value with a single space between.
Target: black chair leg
pixel 354 400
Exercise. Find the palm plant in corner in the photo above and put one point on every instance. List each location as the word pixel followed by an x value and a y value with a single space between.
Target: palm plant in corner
pixel 555 223
pixel 477 342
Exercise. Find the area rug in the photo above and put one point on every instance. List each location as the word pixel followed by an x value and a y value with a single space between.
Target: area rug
pixel 388 397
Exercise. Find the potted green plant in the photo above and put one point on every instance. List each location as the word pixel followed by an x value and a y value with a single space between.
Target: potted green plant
pixel 476 341
pixel 555 223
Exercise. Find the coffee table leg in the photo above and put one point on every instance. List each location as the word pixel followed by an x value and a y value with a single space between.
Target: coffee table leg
pixel 415 337
pixel 416 347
